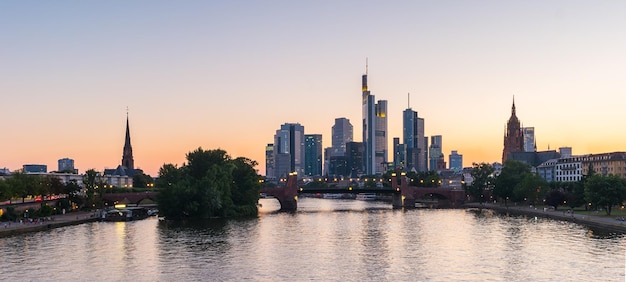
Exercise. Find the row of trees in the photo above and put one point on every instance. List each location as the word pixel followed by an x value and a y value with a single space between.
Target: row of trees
pixel 210 184
pixel 516 183
pixel 22 185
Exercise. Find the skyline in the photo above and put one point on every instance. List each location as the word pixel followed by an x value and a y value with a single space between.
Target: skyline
pixel 227 75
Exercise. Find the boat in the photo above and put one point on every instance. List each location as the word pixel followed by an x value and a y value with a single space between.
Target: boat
pixel 332 196
pixel 126 214
pixel 366 196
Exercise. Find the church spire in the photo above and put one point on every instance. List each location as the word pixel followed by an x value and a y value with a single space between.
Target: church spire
pixel 127 155
pixel 513 108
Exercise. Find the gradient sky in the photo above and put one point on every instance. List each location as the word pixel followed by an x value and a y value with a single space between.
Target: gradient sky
pixel 227 74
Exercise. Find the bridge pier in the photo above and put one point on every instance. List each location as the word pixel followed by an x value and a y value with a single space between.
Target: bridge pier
pixel 287 195
pixel 405 198
pixel 288 205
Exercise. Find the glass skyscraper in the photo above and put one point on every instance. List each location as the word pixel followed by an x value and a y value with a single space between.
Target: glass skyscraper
pixel 313 154
pixel 289 150
pixel 374 132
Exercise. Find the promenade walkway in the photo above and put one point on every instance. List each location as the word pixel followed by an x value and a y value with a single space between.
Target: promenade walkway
pixel 73 218
pixel 604 222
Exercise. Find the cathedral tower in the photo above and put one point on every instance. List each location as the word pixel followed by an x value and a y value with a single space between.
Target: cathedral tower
pixel 513 136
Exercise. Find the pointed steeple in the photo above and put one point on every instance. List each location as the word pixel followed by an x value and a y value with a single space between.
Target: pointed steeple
pixel 513 108
pixel 127 155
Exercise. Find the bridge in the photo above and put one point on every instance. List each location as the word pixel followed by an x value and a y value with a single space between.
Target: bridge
pixel 129 198
pixel 403 195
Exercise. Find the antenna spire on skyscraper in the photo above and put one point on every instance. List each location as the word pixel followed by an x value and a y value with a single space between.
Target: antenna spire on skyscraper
pixel 408 100
pixel 366 66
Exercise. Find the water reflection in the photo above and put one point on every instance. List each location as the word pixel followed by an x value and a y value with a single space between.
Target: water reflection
pixel 359 241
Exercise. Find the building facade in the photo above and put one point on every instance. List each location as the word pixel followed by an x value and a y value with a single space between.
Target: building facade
pixel 354 158
pixel 270 175
pixel 342 133
pixel 456 161
pixel 289 151
pixel 35 168
pixel 66 165
pixel 312 154
pixel 529 139
pixel 413 134
pixel 569 169
pixel 435 151
pixel 604 164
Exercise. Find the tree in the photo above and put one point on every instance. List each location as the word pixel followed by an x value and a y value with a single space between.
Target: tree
pixel 529 188
pixel 142 180
pixel 5 191
pixel 605 191
pixel 168 174
pixel 90 180
pixel 211 184
pixel 512 174
pixel 482 179
pixel 555 198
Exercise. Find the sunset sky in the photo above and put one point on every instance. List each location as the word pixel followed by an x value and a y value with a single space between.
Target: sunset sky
pixel 227 74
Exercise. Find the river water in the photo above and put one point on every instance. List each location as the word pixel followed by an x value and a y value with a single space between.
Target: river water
pixel 325 240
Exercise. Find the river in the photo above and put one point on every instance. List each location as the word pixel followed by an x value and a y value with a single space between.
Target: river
pixel 325 240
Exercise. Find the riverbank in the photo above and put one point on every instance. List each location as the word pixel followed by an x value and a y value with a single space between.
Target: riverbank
pixel 56 221
pixel 607 223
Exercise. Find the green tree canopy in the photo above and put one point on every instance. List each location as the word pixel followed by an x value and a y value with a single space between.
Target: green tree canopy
pixel 482 179
pixel 211 184
pixel 605 191
pixel 512 173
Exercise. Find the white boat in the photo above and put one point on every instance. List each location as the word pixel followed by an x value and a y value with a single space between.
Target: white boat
pixel 332 196
pixel 366 196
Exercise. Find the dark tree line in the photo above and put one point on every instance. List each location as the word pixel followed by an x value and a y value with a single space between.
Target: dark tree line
pixel 516 183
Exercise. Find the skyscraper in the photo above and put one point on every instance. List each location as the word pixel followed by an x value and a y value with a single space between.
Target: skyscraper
pixel 381 140
pixel 456 161
pixel 529 139
pixel 342 133
pixel 127 156
pixel 413 133
pixel 313 154
pixel 269 162
pixel 437 161
pixel 399 154
pixel 289 150
pixel 374 131
pixel 513 136
pixel 354 158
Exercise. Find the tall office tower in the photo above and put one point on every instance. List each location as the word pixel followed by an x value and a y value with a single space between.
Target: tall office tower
pixel 513 136
pixel 529 139
pixel 413 133
pixel 354 158
pixel 327 153
pixel 422 157
pixel 127 156
pixel 342 134
pixel 313 154
pixel 289 150
pixel 381 138
pixel 399 153
pixel 374 131
pixel 436 152
pixel 456 161
pixel 66 165
pixel 369 126
pixel 269 162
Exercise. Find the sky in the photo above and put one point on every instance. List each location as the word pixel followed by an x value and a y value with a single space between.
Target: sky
pixel 227 74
